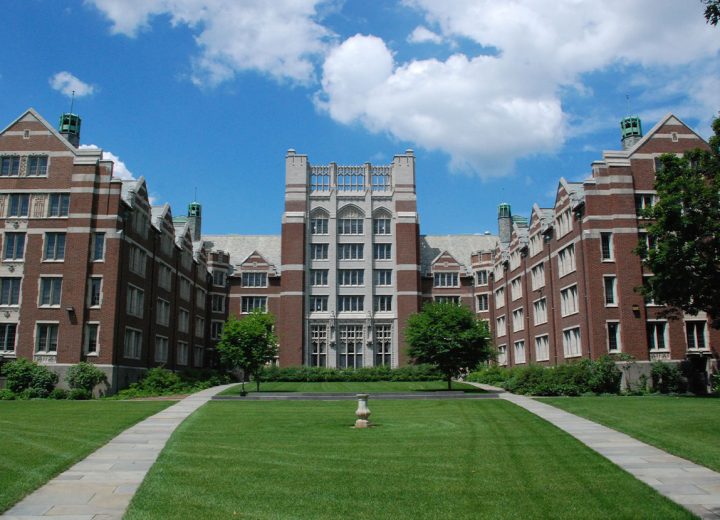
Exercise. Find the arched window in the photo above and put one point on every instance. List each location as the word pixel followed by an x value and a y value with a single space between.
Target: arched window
pixel 382 222
pixel 319 222
pixel 350 221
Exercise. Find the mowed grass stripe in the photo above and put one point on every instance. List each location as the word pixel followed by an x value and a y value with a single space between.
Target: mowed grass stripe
pixel 424 459
pixel 352 387
pixel 40 439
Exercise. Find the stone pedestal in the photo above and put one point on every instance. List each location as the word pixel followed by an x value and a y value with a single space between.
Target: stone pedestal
pixel 363 412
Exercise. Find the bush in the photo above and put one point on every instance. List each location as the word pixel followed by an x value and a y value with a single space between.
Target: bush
pixel 79 394
pixel 85 376
pixel 667 378
pixel 28 378
pixel 7 395
pixel 58 393
pixel 160 381
pixel 323 374
pixel 715 382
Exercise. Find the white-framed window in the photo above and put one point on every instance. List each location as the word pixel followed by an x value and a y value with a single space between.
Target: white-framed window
pixel 571 343
pixel 518 318
pixel 569 301
pixel 10 290
pixel 542 348
pixel 566 260
pixel 46 337
pixel 455 300
pixel 502 355
pixel 350 226
pixel 37 166
pixel 182 353
pixel 218 303
pixel 536 244
pixel 133 343
pixel 498 271
pixel 383 303
pixel 649 300
pixel 97 246
pixel 350 346
pixel 350 251
pixel 696 334
pixel 138 260
pixel 219 278
pixel 250 303
pixel 383 277
pixel 216 328
pixel 165 277
pixel 185 287
pixel 135 301
pixel 94 296
pixel 516 288
pixel 351 277
pixel 18 205
pixel 199 327
pixel 254 279
pixel 162 311
pixel 446 280
pixel 657 335
pixel 644 201
pixel 382 226
pixel 92 339
pixel 537 276
pixel 318 251
pixel 50 291
pixel 519 352
pixel 9 165
pixel 382 251
pixel 318 304
pixel 14 246
pixel 540 311
pixel 383 345
pixel 610 288
pixel 183 321
pixel 514 260
pixel 613 336
pixel 54 249
pixel 483 302
pixel 161 349
pixel 59 205
pixel 500 326
pixel 318 345
pixel 8 334
pixel 351 303
pixel 647 239
pixel 319 277
pixel 563 222
pixel 319 225
pixel 481 277
pixel 607 252
pixel 500 297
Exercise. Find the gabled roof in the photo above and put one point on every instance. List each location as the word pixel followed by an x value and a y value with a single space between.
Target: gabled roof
pixel 575 191
pixel 130 187
pixel 240 247
pixel 460 247
pixel 159 213
pixel 669 118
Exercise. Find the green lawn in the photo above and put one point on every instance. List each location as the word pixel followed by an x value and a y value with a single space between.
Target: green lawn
pixel 685 426
pixel 40 439
pixel 459 459
pixel 353 387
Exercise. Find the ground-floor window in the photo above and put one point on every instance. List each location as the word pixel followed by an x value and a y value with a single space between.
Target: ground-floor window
pixel 519 352
pixel 383 345
pixel 502 355
pixel 350 346
pixel 46 338
pixel 695 333
pixel 656 335
pixel 198 357
pixel 542 348
pixel 182 353
pixel 613 336
pixel 7 337
pixel 571 342
pixel 318 345
pixel 133 343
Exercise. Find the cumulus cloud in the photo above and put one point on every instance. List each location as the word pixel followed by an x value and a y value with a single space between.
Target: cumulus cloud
pixel 424 35
pixel 66 83
pixel 279 38
pixel 120 169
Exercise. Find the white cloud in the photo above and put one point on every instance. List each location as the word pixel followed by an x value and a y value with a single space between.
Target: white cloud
pixel 120 169
pixel 66 83
pixel 424 35
pixel 279 37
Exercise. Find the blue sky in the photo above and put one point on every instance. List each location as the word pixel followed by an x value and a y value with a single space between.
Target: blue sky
pixel 498 99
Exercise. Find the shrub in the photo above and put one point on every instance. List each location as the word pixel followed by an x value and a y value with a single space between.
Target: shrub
pixel 23 375
pixel 606 376
pixel 7 395
pixel 58 393
pixel 715 382
pixel 79 394
pixel 667 378
pixel 160 381
pixel 420 372
pixel 85 376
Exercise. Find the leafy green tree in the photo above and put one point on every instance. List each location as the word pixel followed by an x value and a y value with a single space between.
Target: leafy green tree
pixel 85 376
pixel 449 337
pixel 685 228
pixel 712 11
pixel 249 344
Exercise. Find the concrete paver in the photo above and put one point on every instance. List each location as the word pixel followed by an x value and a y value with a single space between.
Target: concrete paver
pixel 101 486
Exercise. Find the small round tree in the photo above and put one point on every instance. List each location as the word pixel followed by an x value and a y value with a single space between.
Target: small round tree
pixel 85 376
pixel 447 336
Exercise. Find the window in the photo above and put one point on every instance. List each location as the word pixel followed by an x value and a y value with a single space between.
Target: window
pixel 319 226
pixel 500 298
pixel 349 252
pixel 320 179
pixel 161 349
pixel 540 314
pixel 50 291
pixel 200 297
pixel 319 277
pixel 502 355
pixel 571 342
pixel 381 226
pixel 183 321
pixel 516 289
pixel 185 289
pixel 569 301
pixel 10 290
pixel 542 348
pixel 37 165
pixel 350 178
pixel 350 346
pixel 166 243
pixel 318 304
pixel 218 303
pixel 519 352
pixel 138 260
pixel 98 246
pixel 9 165
pixel 19 205
pixel 133 343
pixel 54 246
pixel 518 317
pixel 94 298
pixel 198 356
pixel 609 283
pixel 182 353
pixel 318 345
pixel 695 334
pixel 613 336
pixel 59 205
pixel 8 332
pixel 537 277
pixel 656 335
pixel 500 326
pixel 383 303
pixel 351 277
pixel 350 226
pixel 199 327
pixel 498 272
pixel 383 345
pixel 381 176
pixel 446 280
pixel 165 277
pixel 186 260
pixel 382 251
pixel 564 223
pixel 644 201
pixel 46 337
pixel 254 279
pixel 319 251
pixel 566 260
pixel 481 277
pixel 216 328
pixel 647 281
pixel 514 260
pixel 647 240
pixel 455 300
pixel 135 301
pixel 351 303
pixel 383 277
pixel 219 278
pixel 606 246
pixel 162 312
pixel 14 246
pixel 250 303
pixel 482 302
pixel 536 244
pixel 140 222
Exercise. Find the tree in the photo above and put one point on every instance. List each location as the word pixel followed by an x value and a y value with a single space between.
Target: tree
pixel 685 228
pixel 712 11
pixel 249 344
pixel 447 336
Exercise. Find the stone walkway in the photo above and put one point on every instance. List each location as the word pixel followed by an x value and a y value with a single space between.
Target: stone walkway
pixel 692 486
pixel 101 486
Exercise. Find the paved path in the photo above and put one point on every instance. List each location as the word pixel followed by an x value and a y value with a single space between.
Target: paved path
pixel 692 486
pixel 101 486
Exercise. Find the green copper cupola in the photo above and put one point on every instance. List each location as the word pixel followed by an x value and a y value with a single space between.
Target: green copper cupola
pixel 631 131
pixel 69 127
pixel 504 223
pixel 194 217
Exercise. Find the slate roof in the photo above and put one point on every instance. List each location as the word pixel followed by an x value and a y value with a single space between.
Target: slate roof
pixel 241 246
pixel 459 246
